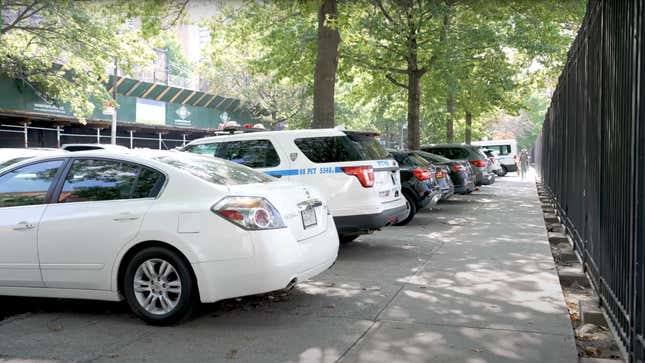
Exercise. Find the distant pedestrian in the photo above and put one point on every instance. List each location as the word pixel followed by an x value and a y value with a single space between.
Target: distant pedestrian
pixel 516 159
pixel 524 163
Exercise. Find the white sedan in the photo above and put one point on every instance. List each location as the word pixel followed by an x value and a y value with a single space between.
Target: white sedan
pixel 159 229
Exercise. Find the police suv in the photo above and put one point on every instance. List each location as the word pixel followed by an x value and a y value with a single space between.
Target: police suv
pixel 352 170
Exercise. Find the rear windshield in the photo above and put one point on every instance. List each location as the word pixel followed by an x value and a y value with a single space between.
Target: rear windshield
pixel 369 146
pixel 434 157
pixel 214 170
pixel 455 153
pixel 410 159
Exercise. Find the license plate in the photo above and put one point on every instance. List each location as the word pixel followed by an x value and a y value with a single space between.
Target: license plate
pixel 308 217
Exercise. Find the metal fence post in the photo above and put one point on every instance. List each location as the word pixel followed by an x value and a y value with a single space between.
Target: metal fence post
pixel 26 134
pixel 131 140
pixel 58 136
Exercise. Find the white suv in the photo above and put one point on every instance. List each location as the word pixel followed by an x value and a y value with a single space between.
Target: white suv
pixel 352 170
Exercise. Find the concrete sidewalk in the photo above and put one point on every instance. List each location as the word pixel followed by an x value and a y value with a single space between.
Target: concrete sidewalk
pixel 472 282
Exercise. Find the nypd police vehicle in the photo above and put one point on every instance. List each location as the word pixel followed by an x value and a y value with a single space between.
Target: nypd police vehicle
pixel 352 170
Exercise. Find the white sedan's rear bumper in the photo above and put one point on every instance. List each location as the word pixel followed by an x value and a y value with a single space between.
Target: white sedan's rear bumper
pixel 278 259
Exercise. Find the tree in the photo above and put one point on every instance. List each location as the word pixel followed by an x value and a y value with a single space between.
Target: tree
pixel 62 48
pixel 326 64
pixel 397 38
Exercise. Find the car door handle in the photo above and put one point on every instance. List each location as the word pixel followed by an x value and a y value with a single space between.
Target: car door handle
pixel 24 226
pixel 125 217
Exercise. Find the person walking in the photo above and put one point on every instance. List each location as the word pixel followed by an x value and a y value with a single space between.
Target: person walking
pixel 524 163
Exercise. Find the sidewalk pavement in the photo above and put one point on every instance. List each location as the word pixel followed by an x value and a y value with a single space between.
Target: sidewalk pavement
pixel 473 281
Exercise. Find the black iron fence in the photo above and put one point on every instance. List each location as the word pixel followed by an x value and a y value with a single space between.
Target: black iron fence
pixel 591 159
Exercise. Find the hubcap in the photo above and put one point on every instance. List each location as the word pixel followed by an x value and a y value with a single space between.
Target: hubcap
pixel 157 286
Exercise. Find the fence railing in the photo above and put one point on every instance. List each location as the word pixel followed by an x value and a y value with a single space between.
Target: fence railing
pixel 591 159
pixel 61 137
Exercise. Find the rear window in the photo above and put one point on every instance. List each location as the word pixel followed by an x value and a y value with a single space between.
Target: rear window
pixel 410 159
pixel 214 170
pixel 434 157
pixel 369 146
pixel 455 153
pixel 500 149
pixel 329 149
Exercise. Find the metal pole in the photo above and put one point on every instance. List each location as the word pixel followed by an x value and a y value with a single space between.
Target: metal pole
pixel 26 132
pixel 98 136
pixel 114 87
pixel 160 141
pixel 131 141
pixel 183 136
pixel 58 135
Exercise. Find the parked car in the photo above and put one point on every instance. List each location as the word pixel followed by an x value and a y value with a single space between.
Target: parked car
pixel 87 147
pixel 496 167
pixel 10 156
pixel 505 150
pixel 473 155
pixel 442 175
pixel 162 230
pixel 461 173
pixel 418 183
pixel 351 169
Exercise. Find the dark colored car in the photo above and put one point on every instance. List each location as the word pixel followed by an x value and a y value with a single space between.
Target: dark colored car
pixel 477 159
pixel 418 183
pixel 442 175
pixel 461 172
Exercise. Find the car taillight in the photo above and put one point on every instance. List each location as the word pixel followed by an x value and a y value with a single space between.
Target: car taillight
pixel 252 213
pixel 365 174
pixel 478 163
pixel 421 174
pixel 438 174
pixel 456 168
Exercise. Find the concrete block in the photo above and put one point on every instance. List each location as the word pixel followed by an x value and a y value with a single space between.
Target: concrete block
pixel 573 276
pixel 590 313
pixel 558 237
pixel 551 218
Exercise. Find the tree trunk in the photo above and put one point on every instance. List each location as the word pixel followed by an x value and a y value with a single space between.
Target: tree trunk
pixel 326 64
pixel 469 127
pixel 450 128
pixel 414 103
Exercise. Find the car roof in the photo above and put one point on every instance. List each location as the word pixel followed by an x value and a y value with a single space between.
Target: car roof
pixel 270 134
pixel 446 145
pixel 97 146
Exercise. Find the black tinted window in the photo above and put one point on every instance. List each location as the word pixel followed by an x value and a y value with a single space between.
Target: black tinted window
pixel 329 149
pixel 95 180
pixel 204 149
pixel 455 153
pixel 27 185
pixel 148 184
pixel 252 153
pixel 369 146
pixel 500 149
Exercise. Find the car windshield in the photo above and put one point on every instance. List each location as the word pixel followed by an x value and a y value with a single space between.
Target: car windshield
pixel 214 170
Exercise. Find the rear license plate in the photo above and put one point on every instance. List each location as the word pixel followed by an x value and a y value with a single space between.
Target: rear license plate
pixel 309 217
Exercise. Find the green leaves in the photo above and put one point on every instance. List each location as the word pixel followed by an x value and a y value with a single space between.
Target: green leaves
pixel 62 48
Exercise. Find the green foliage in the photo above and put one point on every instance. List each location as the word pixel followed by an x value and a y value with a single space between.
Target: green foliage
pixel 62 48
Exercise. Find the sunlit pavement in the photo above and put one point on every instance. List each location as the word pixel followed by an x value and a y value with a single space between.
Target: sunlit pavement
pixel 473 281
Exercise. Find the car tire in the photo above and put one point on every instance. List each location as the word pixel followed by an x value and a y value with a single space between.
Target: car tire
pixel 347 238
pixel 412 211
pixel 502 172
pixel 165 289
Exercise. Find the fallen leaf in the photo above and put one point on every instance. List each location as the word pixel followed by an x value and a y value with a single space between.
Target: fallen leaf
pixel 232 354
pixel 331 306
pixel 592 351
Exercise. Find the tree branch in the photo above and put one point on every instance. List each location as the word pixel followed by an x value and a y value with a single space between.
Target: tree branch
pixel 375 67
pixel 393 80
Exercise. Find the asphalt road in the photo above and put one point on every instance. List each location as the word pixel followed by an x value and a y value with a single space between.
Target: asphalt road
pixel 473 281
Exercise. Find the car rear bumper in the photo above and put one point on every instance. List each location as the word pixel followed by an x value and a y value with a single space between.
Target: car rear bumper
pixel 278 261
pixel 365 223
